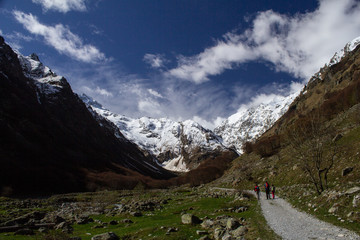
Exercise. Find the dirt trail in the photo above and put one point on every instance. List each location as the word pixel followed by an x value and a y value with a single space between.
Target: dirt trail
pixel 289 223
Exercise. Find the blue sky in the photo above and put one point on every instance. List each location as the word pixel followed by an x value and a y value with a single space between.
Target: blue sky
pixel 183 59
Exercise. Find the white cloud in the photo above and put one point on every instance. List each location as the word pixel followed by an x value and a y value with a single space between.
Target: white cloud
pixel 103 92
pixel 61 38
pixel 155 93
pixel 62 5
pixel 298 44
pixel 155 60
pixel 149 106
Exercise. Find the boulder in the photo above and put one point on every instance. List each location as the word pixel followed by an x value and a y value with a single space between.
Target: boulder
pixel 356 201
pixel 219 233
pixel 240 231
pixel 207 224
pixel 346 171
pixel 190 219
pixel 353 190
pixel 232 224
pixel 333 209
pixel 106 236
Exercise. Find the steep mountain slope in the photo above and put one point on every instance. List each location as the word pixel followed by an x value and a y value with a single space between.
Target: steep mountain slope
pixel 49 140
pixel 178 146
pixel 331 102
pixel 317 171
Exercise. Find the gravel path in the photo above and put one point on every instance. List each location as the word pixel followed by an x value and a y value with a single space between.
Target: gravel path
pixel 289 223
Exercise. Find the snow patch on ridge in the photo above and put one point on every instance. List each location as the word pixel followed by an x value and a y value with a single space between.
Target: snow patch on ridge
pixel 46 81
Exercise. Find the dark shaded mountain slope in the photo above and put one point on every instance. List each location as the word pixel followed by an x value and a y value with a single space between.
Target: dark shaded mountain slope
pixel 51 143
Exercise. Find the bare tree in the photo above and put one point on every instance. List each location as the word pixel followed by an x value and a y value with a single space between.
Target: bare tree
pixel 311 144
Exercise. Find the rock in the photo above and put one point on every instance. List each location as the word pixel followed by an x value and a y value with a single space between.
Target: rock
pixel 333 209
pixel 207 224
pixel 352 190
pixel 171 229
pixel 127 221
pixel 232 224
pixel 205 238
pixel 24 231
pixel 113 222
pixel 356 201
pixel 201 232
pixel 219 233
pixel 43 230
pixel 64 227
pixel 346 171
pixel 106 236
pixel 337 137
pixel 190 219
pixel 240 231
pixel 84 220
pixel 136 214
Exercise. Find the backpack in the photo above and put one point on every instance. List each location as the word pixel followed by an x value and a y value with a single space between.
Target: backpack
pixel 257 188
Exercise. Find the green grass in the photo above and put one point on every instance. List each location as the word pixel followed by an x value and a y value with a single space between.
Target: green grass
pixel 154 224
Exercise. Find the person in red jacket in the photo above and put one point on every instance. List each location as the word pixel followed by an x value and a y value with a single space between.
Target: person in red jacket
pixel 273 191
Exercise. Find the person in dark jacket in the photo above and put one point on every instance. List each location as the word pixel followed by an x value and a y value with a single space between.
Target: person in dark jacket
pixel 257 191
pixel 267 190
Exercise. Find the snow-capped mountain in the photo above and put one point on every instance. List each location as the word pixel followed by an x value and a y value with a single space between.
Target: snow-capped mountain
pixel 249 123
pixel 350 46
pixel 179 146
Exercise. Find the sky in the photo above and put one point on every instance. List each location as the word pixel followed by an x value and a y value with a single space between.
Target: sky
pixel 181 59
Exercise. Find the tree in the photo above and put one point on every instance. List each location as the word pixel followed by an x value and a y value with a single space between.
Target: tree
pixel 311 143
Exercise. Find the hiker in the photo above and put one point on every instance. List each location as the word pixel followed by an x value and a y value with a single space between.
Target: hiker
pixel 273 191
pixel 267 190
pixel 257 190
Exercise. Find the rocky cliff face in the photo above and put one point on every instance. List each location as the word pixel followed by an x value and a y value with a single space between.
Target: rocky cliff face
pixel 49 140
pixel 178 146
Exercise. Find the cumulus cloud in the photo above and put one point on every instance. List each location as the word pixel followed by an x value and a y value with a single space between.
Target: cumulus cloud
pixel 61 38
pixel 155 60
pixel 298 44
pixel 62 5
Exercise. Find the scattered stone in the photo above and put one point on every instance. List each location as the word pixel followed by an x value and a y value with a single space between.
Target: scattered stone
pixel 205 238
pixel 64 227
pixel 201 232
pixel 43 230
pixel 337 137
pixel 171 229
pixel 356 201
pixel 136 214
pixel 219 233
pixel 190 219
pixel 353 190
pixel 127 221
pixel 240 231
pixel 106 236
pixel 207 224
pixel 232 224
pixel 346 171
pixel 333 209
pixel 83 220
pixel 113 222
